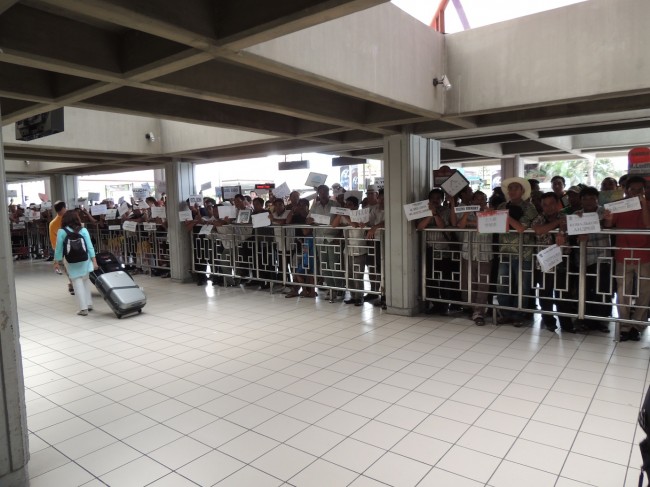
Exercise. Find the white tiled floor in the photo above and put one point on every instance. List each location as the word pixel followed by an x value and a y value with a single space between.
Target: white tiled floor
pixel 231 387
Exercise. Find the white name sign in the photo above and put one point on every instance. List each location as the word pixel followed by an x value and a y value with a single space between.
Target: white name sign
pixel 360 216
pixel 261 220
pixel 320 219
pixel 337 210
pixel 140 193
pixel 98 210
pixel 467 209
pixel 111 214
pixel 114 227
pixel 549 257
pixel 158 212
pixel 282 191
pixel 129 226
pixel 315 179
pixel 495 221
pixel 196 199
pixel 622 206
pixel 185 215
pixel 227 212
pixel 455 184
pixel 206 230
pixel 414 211
pixel 149 227
pixel 580 225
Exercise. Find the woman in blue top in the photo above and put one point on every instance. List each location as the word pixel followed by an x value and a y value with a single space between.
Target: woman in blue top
pixel 78 271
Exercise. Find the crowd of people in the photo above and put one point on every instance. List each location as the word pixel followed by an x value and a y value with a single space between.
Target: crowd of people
pixel 497 264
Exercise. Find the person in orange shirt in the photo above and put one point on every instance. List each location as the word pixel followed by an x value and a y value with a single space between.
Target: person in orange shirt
pixel 55 225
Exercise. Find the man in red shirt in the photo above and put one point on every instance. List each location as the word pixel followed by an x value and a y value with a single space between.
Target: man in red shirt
pixel 632 263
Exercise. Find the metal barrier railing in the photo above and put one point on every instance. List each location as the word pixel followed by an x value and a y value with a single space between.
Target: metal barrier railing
pixel 275 254
pixel 465 268
pixel 30 240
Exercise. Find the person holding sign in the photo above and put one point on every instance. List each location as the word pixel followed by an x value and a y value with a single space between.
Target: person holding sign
pixel 355 250
pixel 632 258
pixel 554 285
pixel 438 261
pixel 521 214
pixel 328 242
pixel 598 274
pixel 481 258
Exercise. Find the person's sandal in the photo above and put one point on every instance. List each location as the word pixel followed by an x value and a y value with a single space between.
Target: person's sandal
pixel 291 295
pixel 71 289
pixel 479 321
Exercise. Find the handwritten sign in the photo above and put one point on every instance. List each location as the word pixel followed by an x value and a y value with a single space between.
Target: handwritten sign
pixel 129 226
pixel 149 227
pixel 282 191
pixel 337 210
pixel 493 221
pixel 196 199
pixel 142 205
pixel 360 216
pixel 467 209
pixel 315 179
pixel 206 230
pixel 379 182
pixel 140 193
pixel 227 212
pixel 111 214
pixel 185 215
pixel 158 212
pixel 98 210
pixel 93 196
pixel 12 193
pixel 320 219
pixel 124 209
pixel 114 227
pixel 414 211
pixel 261 220
pixel 580 225
pixel 549 258
pixel 455 183
pixel 622 206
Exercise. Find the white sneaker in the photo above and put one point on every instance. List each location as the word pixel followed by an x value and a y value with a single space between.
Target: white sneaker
pixel 83 312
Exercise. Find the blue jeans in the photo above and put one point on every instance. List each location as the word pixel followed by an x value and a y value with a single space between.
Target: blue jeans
pixel 508 284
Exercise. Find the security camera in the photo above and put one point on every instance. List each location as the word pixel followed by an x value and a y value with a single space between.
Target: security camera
pixel 444 81
pixel 150 137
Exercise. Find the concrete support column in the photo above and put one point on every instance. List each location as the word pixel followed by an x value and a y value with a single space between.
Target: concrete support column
pixel 159 182
pixel 511 167
pixel 180 185
pixel 408 164
pixel 14 450
pixel 64 188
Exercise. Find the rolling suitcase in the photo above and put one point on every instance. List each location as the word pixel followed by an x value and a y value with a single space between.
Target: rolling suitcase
pixel 106 262
pixel 121 293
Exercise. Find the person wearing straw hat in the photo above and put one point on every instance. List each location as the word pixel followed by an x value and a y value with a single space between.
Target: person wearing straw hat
pixel 521 213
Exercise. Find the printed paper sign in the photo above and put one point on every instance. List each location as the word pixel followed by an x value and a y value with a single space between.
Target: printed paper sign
pixel 114 227
pixel 455 183
pixel 142 205
pixel 282 191
pixel 158 212
pixel 379 182
pixel 196 199
pixel 185 216
pixel 140 193
pixel 93 197
pixel 229 192
pixel 315 179
pixel 12 193
pixel 149 227
pixel 206 230
pixel 98 210
pixel 227 212
pixel 111 214
pixel 207 185
pixel 494 221
pixel 320 219
pixel 261 220
pixel 622 206
pixel 415 211
pixel 360 216
pixel 18 226
pixel 244 216
pixel 580 225
pixel 129 226
pixel 467 209
pixel 124 209
pixel 549 258
pixel 337 210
